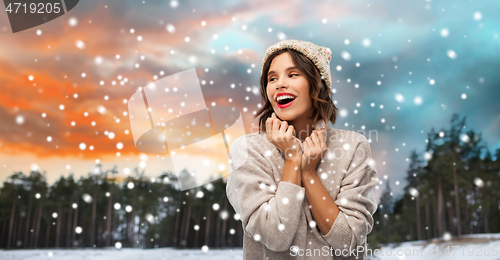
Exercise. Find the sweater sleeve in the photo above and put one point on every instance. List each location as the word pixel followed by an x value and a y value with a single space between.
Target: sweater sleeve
pixel 269 213
pixel 356 202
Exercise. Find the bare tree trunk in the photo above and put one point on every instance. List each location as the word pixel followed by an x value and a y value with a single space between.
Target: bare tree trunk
pixel 186 230
pixel 411 233
pixel 484 211
pixel 144 238
pixel 127 224
pixel 11 223
pixel 166 208
pixel 441 221
pixel 14 233
pixel 467 218
pixel 131 233
pixel 207 226
pixel 35 218
pixel 217 229
pixel 389 230
pixel 138 234
pixel 92 232
pixel 176 237
pixel 197 234
pixel 27 231
pixel 457 204
pixel 37 232
pixel 87 241
pixel 19 229
pixel 68 230
pixel 47 236
pixel 224 225
pixel 450 215
pixel 58 227
pixel 427 221
pixel 485 218
pixel 75 222
pixel 135 235
pixel 181 235
pixel 108 228
pixel 3 231
pixel 436 220
pixel 232 237
pixel 419 228
pixel 102 235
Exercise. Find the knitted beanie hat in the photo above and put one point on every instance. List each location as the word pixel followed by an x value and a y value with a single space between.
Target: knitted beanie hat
pixel 319 55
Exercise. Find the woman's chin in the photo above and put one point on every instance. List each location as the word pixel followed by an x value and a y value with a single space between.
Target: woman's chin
pixel 286 116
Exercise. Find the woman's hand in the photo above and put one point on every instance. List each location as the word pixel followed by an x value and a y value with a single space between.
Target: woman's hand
pixel 314 148
pixel 281 135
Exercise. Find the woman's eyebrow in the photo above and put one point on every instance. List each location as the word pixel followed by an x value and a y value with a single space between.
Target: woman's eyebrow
pixel 287 69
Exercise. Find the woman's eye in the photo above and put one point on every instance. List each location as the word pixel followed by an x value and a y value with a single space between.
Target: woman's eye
pixel 290 75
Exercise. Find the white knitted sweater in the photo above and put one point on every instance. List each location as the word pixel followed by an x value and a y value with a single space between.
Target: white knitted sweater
pixel 276 216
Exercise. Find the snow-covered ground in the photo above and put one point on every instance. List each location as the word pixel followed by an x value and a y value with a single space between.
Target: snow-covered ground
pixel 123 254
pixel 467 247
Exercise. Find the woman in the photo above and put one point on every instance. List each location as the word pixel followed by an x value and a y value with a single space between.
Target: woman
pixel 303 190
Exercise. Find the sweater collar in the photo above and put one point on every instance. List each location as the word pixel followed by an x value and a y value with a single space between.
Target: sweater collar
pixel 317 126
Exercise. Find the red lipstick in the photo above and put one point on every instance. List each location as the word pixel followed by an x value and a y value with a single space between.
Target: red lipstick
pixel 287 104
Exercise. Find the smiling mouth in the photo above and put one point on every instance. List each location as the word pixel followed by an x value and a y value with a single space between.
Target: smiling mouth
pixel 285 101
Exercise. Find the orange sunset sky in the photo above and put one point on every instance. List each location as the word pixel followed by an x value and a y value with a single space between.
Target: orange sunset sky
pixel 397 71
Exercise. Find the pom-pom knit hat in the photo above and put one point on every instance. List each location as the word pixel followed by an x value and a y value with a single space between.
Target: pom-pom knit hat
pixel 319 55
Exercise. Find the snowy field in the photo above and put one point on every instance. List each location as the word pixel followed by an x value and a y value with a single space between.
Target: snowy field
pixel 468 247
pixel 123 254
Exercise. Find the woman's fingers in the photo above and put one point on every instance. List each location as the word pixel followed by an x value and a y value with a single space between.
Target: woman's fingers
pixel 283 126
pixel 314 147
pixel 320 134
pixel 290 130
pixel 305 146
pixel 310 144
pixel 316 139
pixel 276 124
pixel 322 139
pixel 318 142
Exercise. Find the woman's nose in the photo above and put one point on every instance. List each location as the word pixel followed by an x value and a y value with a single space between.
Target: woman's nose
pixel 281 84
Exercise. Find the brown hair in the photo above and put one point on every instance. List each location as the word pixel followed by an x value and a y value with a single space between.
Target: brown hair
pixel 322 103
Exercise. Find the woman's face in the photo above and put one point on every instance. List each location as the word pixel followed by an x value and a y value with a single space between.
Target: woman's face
pixel 282 78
